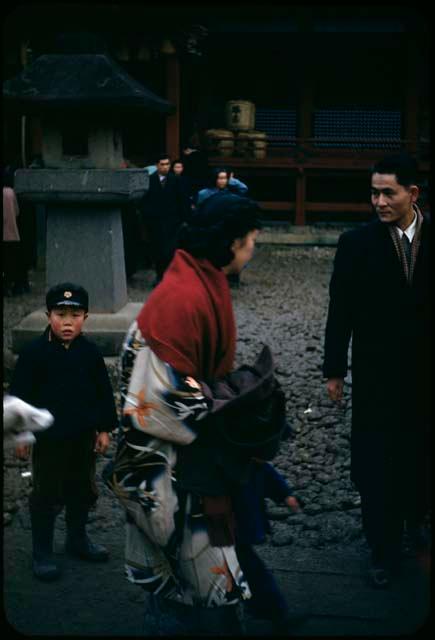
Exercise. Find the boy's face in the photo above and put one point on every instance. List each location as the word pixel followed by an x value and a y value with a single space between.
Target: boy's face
pixel 66 322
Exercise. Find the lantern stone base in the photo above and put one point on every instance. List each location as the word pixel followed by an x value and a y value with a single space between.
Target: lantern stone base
pixel 107 330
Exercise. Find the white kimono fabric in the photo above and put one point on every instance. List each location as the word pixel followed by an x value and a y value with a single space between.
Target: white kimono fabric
pixel 162 410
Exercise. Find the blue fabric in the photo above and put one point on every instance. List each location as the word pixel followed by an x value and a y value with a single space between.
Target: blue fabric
pixel 234 186
pixel 238 186
pixel 249 507
pixel 251 527
pixel 267 601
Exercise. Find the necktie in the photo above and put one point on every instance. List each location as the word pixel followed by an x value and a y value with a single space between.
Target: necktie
pixel 407 248
pixel 163 182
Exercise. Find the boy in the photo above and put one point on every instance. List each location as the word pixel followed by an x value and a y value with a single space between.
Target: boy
pixel 63 372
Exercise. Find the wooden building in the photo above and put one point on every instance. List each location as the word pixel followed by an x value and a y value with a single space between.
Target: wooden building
pixel 334 89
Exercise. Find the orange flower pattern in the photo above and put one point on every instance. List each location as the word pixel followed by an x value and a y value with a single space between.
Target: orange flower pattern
pixel 142 410
pixel 224 571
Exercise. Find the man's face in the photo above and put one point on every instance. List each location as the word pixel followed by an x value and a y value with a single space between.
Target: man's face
pixel 392 201
pixel 66 322
pixel 163 167
pixel 178 168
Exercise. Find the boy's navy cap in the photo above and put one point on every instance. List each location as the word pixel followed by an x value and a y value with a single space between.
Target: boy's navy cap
pixel 67 294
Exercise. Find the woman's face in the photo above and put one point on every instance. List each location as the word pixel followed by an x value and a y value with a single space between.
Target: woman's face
pixel 221 180
pixel 243 249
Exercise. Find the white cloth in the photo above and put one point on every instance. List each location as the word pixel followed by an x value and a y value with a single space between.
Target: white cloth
pixel 20 419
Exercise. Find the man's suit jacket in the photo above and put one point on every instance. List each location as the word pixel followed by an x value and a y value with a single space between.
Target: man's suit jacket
pixel 389 323
pixel 164 204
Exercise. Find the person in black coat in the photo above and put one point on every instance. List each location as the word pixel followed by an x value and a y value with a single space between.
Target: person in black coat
pixel 195 164
pixel 379 297
pixel 164 208
pixel 64 373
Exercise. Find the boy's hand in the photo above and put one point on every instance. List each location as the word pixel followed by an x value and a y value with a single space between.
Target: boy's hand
pixel 293 503
pixel 102 442
pixel 22 451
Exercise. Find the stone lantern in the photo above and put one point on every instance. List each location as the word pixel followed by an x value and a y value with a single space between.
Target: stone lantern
pixel 80 98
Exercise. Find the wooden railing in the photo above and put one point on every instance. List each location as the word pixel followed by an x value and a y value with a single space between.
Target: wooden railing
pixel 309 157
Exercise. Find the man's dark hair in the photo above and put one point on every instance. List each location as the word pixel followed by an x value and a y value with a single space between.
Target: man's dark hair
pixel 162 156
pixel 402 165
pixel 219 220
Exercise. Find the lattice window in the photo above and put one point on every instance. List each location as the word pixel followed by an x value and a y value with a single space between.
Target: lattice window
pixel 358 128
pixel 279 124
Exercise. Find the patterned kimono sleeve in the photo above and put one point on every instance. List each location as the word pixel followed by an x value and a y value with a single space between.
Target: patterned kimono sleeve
pixel 155 398
pixel 186 399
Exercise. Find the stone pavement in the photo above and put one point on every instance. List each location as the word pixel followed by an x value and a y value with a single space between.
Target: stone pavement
pixel 332 586
pixel 96 600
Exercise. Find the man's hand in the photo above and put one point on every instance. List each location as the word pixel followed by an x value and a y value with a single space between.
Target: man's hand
pixel 22 451
pixel 102 442
pixel 334 386
pixel 293 504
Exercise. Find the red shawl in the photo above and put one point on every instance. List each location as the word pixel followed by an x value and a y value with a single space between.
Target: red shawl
pixel 188 320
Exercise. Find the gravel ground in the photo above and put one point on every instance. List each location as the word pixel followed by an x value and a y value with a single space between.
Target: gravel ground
pixel 282 301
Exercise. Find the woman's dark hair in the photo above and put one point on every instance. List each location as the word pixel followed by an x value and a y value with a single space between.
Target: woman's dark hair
pixel 217 222
pixel 213 174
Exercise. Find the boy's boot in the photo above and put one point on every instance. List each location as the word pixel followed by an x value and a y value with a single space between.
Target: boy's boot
pixel 77 541
pixel 44 567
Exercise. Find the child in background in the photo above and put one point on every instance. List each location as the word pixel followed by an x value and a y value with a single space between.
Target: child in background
pixel 251 527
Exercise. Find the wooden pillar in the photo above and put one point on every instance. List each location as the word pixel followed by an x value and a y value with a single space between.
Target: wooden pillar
pixel 305 117
pixel 300 196
pixel 173 95
pixel 411 99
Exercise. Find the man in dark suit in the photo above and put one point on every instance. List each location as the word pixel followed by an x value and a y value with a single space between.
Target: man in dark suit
pixel 379 297
pixel 164 207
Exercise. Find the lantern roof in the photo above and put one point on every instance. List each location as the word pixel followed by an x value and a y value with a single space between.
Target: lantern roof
pixel 80 80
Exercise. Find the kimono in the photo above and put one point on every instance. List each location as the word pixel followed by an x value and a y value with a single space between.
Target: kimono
pixel 168 547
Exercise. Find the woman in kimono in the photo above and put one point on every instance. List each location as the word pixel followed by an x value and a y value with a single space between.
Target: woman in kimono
pixel 171 472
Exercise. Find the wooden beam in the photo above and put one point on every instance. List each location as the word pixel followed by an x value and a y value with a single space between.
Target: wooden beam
pixel 277 205
pixel 339 207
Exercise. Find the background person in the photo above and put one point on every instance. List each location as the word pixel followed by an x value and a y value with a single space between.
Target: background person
pixel 221 181
pixel 252 525
pixel 164 207
pixel 15 263
pixel 195 163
